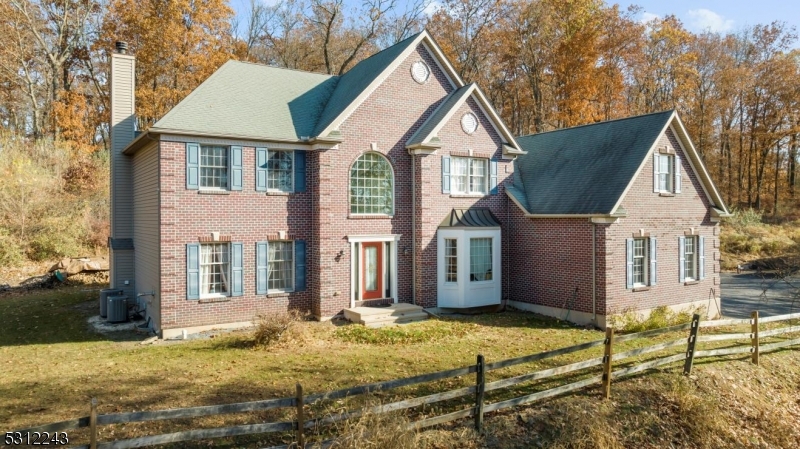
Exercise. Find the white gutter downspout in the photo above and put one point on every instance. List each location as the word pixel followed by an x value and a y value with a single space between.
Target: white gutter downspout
pixel 594 273
pixel 413 230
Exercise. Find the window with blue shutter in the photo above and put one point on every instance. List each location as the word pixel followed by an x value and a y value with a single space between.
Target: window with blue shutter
pixel 262 262
pixel 261 169
pixel 299 171
pixel 193 271
pixel 237 269
pixel 629 263
pixel 192 166
pixel 682 259
pixel 656 180
pixel 701 257
pixel 493 177
pixel 445 174
pixel 299 265
pixel 653 264
pixel 236 172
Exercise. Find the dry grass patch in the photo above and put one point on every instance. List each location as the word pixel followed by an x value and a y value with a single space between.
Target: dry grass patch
pixel 424 332
pixel 273 327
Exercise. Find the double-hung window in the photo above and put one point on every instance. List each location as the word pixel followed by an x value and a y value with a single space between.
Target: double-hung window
pixel 213 167
pixel 280 266
pixel 469 176
pixel 214 270
pixel 691 258
pixel 279 171
pixel 666 173
pixel 641 262
pixel 451 260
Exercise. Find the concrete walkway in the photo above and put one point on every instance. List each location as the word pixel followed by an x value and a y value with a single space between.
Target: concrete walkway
pixel 745 292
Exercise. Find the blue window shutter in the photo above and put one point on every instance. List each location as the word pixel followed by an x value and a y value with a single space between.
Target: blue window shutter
pixel 192 166
pixel 656 187
pixel 677 174
pixel 493 176
pixel 629 263
pixel 701 257
pixel 193 271
pixel 237 269
pixel 262 252
pixel 299 171
pixel 261 169
pixel 299 265
pixel 681 258
pixel 236 168
pixel 653 264
pixel 445 174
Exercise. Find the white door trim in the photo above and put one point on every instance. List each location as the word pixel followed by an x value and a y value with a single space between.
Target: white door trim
pixel 355 245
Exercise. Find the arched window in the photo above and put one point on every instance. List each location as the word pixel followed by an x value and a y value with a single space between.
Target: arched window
pixel 371 185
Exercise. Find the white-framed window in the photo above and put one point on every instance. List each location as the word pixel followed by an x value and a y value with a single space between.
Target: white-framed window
pixel 280 266
pixel 451 260
pixel 371 185
pixel 480 259
pixel 215 270
pixel 641 262
pixel 469 175
pixel 213 167
pixel 690 252
pixel 280 171
pixel 666 172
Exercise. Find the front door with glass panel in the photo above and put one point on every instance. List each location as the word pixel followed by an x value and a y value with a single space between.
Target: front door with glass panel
pixel 372 270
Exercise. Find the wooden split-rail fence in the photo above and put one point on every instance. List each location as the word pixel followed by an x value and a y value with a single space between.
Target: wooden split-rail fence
pixel 301 425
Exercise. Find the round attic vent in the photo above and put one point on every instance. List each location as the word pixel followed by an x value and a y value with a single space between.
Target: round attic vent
pixel 469 123
pixel 420 72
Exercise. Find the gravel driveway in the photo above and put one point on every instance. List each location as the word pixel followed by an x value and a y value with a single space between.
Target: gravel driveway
pixel 745 292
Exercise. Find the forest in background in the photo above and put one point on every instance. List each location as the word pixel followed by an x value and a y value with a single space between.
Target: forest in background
pixel 544 64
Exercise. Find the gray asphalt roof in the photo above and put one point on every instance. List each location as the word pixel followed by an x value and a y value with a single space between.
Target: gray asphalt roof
pixel 585 169
pixel 476 217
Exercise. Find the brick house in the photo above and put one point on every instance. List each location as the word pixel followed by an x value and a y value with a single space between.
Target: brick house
pixel 269 189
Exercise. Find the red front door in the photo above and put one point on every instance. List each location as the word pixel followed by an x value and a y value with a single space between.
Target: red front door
pixel 372 271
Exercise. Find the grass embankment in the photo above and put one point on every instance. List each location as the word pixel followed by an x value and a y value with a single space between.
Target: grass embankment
pixel 53 365
pixel 746 238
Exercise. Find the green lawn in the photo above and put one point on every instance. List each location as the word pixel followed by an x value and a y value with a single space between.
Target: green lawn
pixel 52 364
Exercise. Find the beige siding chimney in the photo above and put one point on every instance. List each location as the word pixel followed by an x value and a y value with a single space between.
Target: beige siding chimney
pixel 122 127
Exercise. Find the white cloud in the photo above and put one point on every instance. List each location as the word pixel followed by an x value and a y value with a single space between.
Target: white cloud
pixel 648 17
pixel 431 8
pixel 707 20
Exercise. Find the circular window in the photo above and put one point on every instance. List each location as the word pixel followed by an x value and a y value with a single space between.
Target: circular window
pixel 420 72
pixel 469 123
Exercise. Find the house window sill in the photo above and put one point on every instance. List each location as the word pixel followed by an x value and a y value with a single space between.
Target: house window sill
pixel 278 193
pixel 641 289
pixel 666 194
pixel 213 299
pixel 691 282
pixel 277 294
pixel 467 195
pixel 213 192
pixel 368 216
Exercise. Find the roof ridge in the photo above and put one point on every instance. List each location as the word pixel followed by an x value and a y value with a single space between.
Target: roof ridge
pixel 597 123
pixel 268 66
pixel 413 36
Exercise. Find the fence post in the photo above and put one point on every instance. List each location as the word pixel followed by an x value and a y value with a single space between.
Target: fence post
pixel 480 386
pixel 301 439
pixel 607 362
pixel 754 336
pixel 93 425
pixel 687 365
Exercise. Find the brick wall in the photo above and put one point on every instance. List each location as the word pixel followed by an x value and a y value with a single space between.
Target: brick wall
pixel 666 219
pixel 246 216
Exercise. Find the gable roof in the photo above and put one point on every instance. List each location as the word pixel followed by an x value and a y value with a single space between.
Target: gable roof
pixel 252 101
pixel 426 136
pixel 584 170
pixel 357 80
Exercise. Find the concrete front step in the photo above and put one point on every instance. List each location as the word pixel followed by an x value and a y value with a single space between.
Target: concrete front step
pixel 383 316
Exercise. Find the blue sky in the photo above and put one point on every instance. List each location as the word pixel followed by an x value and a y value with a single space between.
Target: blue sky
pixel 696 15
pixel 721 15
